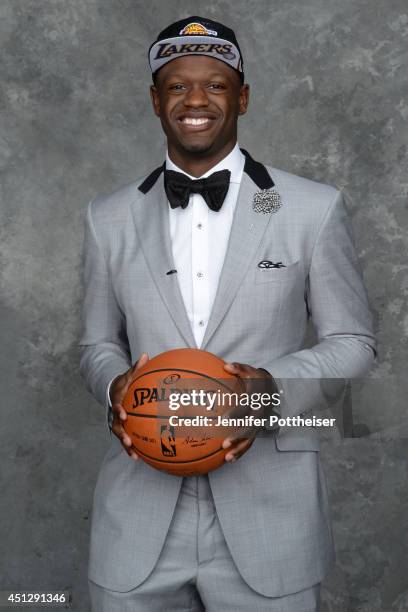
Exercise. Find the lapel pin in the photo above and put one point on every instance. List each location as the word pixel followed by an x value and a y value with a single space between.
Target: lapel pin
pixel 266 201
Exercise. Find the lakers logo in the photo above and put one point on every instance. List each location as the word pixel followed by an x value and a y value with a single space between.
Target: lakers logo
pixel 196 29
pixel 167 49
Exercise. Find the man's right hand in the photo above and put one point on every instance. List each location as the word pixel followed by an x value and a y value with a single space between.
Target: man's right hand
pixel 117 392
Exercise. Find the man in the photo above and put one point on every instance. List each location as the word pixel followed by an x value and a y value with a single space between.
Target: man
pixel 234 264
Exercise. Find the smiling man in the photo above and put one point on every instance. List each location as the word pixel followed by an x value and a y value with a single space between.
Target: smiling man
pixel 214 250
pixel 198 101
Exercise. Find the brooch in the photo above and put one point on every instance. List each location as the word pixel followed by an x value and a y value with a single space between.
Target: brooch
pixel 266 201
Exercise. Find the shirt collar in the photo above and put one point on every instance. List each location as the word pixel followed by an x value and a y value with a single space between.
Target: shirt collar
pixel 234 162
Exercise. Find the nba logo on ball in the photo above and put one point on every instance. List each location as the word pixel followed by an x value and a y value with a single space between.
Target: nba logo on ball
pixel 168 441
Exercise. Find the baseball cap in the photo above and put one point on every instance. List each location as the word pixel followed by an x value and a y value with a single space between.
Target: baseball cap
pixel 196 36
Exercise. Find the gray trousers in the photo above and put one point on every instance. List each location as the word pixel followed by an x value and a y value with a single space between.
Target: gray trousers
pixel 195 571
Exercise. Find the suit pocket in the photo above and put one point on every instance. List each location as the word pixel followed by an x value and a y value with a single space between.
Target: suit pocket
pixel 271 275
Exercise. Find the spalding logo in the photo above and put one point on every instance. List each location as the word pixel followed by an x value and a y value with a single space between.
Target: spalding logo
pixel 197 29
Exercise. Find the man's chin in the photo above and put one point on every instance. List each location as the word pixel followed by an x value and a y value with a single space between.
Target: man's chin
pixel 197 147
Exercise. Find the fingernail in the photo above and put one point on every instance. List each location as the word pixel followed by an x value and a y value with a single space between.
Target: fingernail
pixel 226 444
pixel 229 457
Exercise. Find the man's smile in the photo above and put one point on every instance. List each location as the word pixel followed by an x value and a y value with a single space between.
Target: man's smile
pixel 196 123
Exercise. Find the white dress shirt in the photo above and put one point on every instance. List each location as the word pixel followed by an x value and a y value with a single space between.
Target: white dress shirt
pixel 199 238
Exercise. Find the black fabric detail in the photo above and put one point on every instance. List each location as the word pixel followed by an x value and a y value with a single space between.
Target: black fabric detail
pixel 257 172
pixel 213 188
pixel 151 179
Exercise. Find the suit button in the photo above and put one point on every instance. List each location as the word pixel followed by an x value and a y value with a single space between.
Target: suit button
pixel 200 275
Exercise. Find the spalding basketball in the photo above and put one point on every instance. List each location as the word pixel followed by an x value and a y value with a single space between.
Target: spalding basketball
pixel 173 406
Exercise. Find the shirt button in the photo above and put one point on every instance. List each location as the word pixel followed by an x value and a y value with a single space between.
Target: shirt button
pixel 199 226
pixel 201 323
pixel 200 275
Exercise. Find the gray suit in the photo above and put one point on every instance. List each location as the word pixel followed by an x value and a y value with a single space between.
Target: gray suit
pixel 272 503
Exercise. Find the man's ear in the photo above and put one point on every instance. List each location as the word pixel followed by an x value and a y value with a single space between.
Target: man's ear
pixel 243 99
pixel 154 96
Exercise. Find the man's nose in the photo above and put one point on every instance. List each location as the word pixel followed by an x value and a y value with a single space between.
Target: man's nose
pixel 196 97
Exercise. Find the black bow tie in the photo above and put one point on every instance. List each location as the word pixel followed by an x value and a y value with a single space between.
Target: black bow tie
pixel 214 188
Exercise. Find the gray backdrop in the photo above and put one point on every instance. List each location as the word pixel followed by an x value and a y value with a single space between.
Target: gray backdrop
pixel 329 102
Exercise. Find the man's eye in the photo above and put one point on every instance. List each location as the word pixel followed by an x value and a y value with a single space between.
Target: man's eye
pixel 216 86
pixel 176 87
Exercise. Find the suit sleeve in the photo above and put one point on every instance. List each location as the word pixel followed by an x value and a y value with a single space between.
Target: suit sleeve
pixel 337 302
pixel 104 344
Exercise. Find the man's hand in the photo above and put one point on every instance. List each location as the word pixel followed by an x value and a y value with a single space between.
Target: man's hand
pixel 117 392
pixel 254 380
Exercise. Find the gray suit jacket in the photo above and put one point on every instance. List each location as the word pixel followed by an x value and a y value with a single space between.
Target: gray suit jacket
pixel 272 503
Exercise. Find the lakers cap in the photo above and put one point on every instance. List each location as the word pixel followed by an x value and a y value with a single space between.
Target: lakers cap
pixel 196 36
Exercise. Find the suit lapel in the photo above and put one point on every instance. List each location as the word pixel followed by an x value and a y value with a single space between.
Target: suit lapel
pixel 247 230
pixel 151 217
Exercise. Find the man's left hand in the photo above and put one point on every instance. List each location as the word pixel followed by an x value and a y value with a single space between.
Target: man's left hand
pixel 254 380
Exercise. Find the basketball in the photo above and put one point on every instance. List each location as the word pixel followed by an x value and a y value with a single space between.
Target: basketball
pixel 172 407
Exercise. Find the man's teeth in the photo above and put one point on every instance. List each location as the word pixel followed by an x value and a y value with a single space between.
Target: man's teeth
pixel 191 121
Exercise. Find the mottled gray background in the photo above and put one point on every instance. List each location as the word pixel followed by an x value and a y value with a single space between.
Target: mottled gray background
pixel 329 101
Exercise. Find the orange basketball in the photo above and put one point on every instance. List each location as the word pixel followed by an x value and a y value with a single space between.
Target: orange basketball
pixel 166 405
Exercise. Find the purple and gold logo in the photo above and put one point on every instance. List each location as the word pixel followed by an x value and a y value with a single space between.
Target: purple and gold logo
pixel 197 29
pixel 166 50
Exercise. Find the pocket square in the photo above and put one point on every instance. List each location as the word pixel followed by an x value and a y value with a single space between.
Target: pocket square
pixel 266 264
